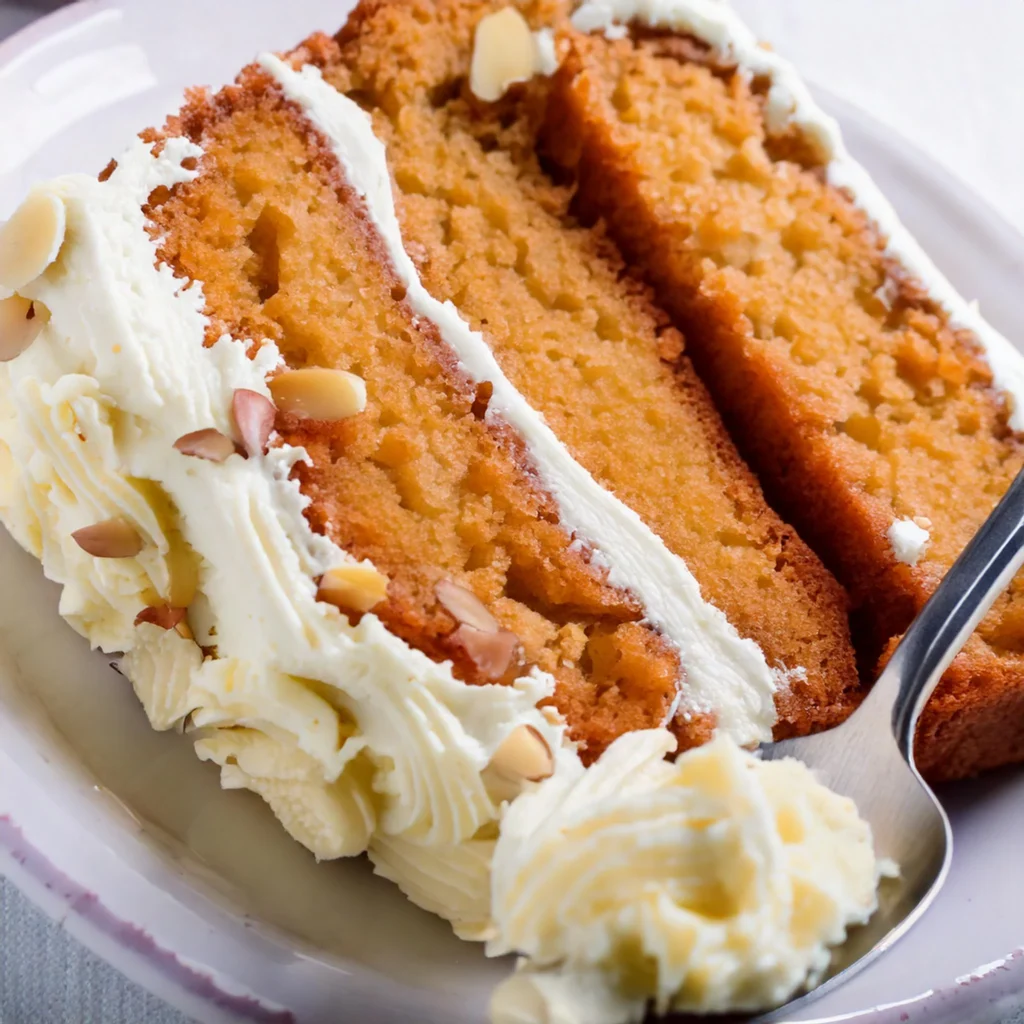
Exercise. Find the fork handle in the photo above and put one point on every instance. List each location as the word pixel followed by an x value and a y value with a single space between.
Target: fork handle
pixel 981 573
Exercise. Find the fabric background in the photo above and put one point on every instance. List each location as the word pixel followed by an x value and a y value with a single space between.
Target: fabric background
pixel 944 73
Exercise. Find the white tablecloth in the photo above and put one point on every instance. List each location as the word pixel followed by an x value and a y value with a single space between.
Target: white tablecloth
pixel 946 74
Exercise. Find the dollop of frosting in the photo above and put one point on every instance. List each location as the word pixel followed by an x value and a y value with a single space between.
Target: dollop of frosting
pixel 909 540
pixel 718 882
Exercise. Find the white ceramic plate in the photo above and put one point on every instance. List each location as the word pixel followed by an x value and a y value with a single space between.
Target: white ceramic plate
pixel 197 893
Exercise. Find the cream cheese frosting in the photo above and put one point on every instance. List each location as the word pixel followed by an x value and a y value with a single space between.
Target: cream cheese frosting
pixel 715 883
pixel 789 103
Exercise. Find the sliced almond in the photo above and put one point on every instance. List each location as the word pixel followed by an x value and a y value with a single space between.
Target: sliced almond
pixel 30 241
pixel 504 52
pixel 524 755
pixel 353 587
pixel 21 320
pixel 111 538
pixel 162 615
pixel 209 444
pixel 254 417
pixel 491 653
pixel 466 607
pixel 317 393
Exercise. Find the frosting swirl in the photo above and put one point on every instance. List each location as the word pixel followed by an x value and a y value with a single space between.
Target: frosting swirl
pixel 714 883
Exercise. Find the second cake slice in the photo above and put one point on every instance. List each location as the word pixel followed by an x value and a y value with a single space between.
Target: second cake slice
pixel 838 356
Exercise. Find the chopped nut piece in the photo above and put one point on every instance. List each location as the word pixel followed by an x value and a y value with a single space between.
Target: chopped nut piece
pixel 163 616
pixel 504 52
pixel 552 714
pixel 317 393
pixel 492 653
pixel 524 755
pixel 353 587
pixel 111 538
pixel 922 521
pixel 466 607
pixel 30 241
pixel 207 444
pixel 254 417
pixel 21 320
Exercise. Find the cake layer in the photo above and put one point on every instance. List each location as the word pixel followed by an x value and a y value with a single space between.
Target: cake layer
pixel 580 340
pixel 869 413
pixel 421 483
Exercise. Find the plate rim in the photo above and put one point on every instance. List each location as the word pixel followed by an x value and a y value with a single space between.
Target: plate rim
pixel 165 973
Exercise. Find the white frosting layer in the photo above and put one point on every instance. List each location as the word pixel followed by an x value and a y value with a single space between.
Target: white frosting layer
pixel 725 673
pixel 790 103
pixel 908 540
pixel 714 883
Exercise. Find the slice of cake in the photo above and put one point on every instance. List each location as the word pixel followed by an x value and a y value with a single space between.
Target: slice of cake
pixel 402 499
pixel 878 408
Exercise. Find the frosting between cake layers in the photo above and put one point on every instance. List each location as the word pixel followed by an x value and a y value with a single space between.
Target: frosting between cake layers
pixel 725 673
pixel 715 883
pixel 789 103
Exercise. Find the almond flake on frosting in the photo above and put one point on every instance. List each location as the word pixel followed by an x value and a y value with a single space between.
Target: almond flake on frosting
pixel 30 241
pixel 21 320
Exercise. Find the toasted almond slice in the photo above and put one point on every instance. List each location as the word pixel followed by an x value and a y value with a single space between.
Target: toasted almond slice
pixel 504 52
pixel 21 320
pixel 467 608
pixel 254 417
pixel 923 522
pixel 162 615
pixel 317 393
pixel 524 755
pixel 492 653
pixel 111 538
pixel 353 587
pixel 30 241
pixel 209 444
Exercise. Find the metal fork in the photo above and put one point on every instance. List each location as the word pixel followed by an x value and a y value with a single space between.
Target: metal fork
pixel 870 757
